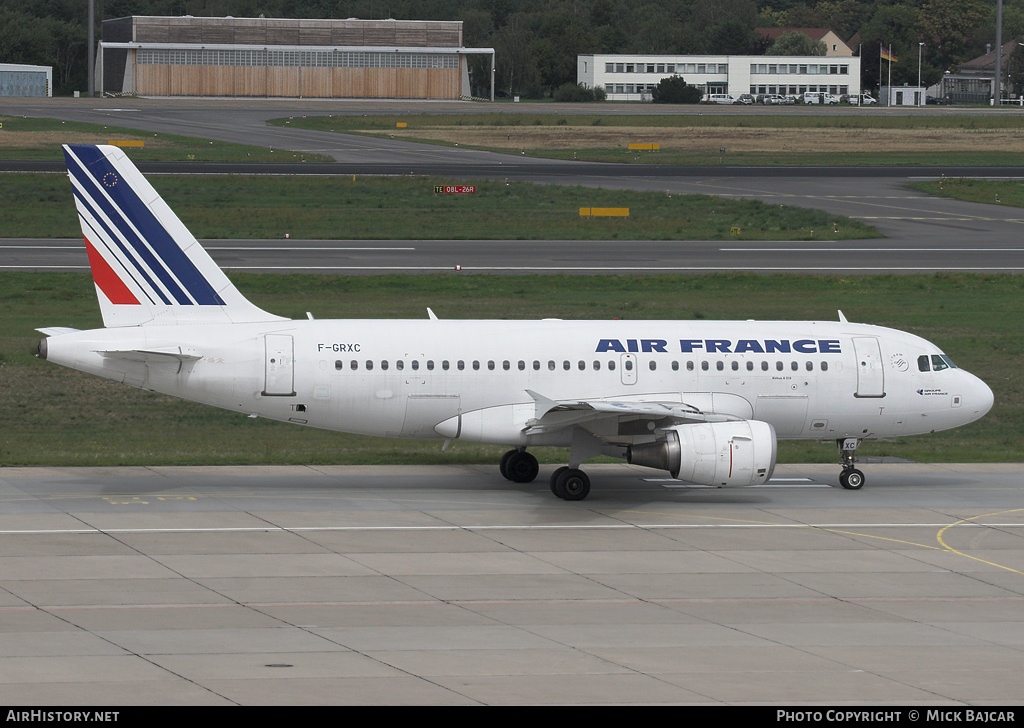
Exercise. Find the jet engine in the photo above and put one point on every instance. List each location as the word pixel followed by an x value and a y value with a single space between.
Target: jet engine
pixel 725 454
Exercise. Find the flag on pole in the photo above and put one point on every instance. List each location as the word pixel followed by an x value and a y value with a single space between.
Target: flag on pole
pixel 889 56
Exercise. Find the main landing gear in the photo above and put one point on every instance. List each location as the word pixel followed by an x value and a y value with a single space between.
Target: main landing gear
pixel 850 478
pixel 519 466
pixel 570 484
pixel 567 483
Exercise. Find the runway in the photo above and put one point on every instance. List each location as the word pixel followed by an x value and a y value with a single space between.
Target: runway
pixel 922 233
pixel 448 585
pixel 577 257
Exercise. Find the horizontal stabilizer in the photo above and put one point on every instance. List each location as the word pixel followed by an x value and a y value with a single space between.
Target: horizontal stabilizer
pixel 56 330
pixel 151 356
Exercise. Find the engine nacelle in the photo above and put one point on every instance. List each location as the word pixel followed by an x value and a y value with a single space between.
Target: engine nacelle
pixel 728 454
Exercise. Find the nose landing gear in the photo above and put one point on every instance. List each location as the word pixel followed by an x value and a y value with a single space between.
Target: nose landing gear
pixel 850 478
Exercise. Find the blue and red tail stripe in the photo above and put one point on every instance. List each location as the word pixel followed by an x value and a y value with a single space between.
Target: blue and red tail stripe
pixel 144 243
pixel 109 282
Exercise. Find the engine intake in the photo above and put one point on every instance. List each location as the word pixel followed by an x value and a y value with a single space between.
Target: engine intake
pixel 726 454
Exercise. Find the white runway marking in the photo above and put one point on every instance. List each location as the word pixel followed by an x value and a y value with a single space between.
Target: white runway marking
pixel 535 527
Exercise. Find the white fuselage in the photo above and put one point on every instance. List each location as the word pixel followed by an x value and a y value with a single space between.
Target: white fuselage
pixel 473 379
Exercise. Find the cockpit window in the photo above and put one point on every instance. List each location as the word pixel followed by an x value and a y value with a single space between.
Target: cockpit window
pixel 934 363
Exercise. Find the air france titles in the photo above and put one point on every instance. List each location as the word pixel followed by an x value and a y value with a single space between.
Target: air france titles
pixel 723 346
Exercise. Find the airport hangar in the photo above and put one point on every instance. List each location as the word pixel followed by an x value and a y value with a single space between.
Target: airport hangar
pixel 276 57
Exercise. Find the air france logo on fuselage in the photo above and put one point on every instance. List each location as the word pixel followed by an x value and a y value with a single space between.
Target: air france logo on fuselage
pixel 723 346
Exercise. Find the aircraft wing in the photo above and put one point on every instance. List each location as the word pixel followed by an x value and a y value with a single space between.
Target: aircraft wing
pixel 554 415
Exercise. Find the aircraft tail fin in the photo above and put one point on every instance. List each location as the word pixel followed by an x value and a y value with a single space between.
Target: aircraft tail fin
pixel 147 267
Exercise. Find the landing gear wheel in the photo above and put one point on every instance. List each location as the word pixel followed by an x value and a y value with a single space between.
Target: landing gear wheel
pixel 521 467
pixel 503 465
pixel 554 479
pixel 572 485
pixel 851 479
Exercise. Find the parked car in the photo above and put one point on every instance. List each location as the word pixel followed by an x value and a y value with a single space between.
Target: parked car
pixel 790 99
pixel 861 99
pixel 936 101
pixel 717 99
pixel 745 99
pixel 771 99
pixel 819 97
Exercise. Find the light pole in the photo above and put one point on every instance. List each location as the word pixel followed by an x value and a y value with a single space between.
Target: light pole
pixel 920 46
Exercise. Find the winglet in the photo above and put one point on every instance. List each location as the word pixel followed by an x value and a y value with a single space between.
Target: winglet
pixel 544 405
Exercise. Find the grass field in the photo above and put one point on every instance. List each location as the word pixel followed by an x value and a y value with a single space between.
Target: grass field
pixel 236 206
pixel 993 192
pixel 29 138
pixel 696 138
pixel 51 415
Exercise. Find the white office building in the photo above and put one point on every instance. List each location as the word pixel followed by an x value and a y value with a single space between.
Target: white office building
pixel 633 77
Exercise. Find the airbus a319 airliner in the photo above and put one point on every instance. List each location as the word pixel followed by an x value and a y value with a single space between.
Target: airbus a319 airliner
pixel 704 400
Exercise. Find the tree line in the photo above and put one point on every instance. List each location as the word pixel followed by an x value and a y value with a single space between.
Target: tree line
pixel 537 41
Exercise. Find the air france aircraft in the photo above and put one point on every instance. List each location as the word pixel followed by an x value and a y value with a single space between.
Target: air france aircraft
pixel 704 400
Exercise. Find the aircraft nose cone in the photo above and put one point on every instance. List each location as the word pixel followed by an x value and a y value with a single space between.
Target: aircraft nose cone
pixel 978 398
pixel 985 398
